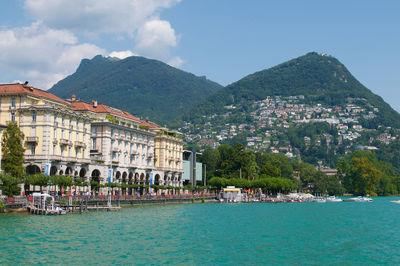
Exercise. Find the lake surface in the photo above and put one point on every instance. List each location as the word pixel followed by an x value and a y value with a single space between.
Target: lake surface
pixel 210 233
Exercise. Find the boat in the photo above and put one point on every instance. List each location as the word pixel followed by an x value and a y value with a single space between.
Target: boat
pixel 320 200
pixel 395 201
pixel 359 199
pixel 333 199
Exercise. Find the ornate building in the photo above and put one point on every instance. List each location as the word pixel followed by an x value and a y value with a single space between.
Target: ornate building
pixel 56 137
pixel 127 150
pixel 169 151
pixel 90 140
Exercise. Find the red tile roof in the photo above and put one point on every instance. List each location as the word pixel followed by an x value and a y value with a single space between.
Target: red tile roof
pixel 24 89
pixel 102 108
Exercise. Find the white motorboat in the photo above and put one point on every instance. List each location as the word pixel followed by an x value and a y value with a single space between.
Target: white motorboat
pixel 333 199
pixel 320 200
pixel 360 199
pixel 395 201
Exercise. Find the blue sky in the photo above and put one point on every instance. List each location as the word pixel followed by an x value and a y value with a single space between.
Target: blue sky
pixel 43 41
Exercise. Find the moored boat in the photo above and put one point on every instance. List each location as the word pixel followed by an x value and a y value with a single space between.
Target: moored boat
pixel 320 200
pixel 359 199
pixel 333 199
pixel 395 201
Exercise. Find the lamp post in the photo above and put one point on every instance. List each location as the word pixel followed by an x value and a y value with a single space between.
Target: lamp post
pixel 1 185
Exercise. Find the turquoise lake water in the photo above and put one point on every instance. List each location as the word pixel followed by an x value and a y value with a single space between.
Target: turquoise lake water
pixel 209 234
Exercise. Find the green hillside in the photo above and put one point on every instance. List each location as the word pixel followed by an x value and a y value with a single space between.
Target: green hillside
pixel 144 87
pixel 320 78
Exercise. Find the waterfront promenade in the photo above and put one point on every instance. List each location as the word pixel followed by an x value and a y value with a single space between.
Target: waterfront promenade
pixel 87 203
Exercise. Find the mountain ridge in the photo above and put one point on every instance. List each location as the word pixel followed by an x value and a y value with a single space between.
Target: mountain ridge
pixel 141 86
pixel 321 76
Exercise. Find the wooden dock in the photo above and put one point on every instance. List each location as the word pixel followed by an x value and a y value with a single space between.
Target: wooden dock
pixel 34 210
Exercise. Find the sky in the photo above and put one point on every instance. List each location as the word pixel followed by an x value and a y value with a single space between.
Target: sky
pixel 43 41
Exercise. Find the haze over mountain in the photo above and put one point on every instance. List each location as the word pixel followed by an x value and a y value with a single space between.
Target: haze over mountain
pixel 321 78
pixel 144 87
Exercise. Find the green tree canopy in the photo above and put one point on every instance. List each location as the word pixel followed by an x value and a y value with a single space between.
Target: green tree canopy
pixel 13 151
pixel 9 185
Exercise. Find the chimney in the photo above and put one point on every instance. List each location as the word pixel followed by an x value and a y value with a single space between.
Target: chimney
pixel 73 98
pixel 94 103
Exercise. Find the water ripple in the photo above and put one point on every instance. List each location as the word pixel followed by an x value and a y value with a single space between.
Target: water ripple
pixel 208 234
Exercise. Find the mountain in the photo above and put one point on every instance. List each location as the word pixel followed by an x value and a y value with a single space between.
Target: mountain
pixel 320 78
pixel 147 88
pixel 310 107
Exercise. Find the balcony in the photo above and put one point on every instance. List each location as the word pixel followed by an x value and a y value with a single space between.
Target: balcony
pixel 65 142
pixel 55 141
pixel 79 144
pixel 32 139
pixel 95 152
pixel 56 158
pixel 115 149
pixel 13 107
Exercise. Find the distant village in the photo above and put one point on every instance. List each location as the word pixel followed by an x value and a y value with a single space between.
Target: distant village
pixel 275 115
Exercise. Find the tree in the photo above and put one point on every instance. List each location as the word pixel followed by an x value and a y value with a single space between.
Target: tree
pixel 210 157
pixel 38 180
pixel 10 185
pixel 13 151
pixel 365 176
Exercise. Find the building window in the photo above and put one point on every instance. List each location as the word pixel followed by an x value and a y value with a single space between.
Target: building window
pixel 33 116
pixel 62 150
pixel 93 143
pixel 62 133
pixel 112 132
pixel 94 130
pixel 13 101
pixel 13 117
pixel 63 119
pixel 70 135
pixel 33 131
pixel 33 146
pixel 55 133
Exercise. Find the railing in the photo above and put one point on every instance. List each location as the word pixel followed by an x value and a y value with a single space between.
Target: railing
pixel 99 200
pixel 64 142
pixel 32 139
pixel 79 144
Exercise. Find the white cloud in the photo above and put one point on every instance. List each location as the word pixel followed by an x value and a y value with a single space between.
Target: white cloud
pixel 176 61
pixel 155 38
pixel 42 55
pixel 136 19
pixel 49 49
pixel 96 16
pixel 122 54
